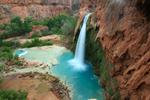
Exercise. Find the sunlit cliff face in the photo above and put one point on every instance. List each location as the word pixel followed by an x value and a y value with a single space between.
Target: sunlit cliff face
pixel 113 13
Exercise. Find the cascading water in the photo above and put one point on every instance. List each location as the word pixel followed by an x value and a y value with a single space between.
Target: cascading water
pixel 78 76
pixel 78 61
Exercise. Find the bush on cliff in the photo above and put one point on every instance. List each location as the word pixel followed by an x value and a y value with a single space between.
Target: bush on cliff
pixel 17 27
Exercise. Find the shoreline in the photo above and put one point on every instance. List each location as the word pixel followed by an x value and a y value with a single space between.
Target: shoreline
pixel 32 66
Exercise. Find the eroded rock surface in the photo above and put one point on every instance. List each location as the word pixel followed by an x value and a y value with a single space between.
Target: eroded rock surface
pixel 125 37
pixel 38 9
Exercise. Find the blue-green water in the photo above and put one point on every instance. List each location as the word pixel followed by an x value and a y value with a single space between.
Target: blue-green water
pixel 84 84
pixel 20 52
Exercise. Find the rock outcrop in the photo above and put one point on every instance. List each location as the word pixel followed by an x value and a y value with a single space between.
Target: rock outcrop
pixel 38 9
pixel 125 37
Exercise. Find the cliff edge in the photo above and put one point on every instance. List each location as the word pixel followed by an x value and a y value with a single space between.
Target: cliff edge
pixel 124 32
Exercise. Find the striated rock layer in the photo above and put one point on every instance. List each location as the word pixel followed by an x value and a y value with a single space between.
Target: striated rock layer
pixel 125 37
pixel 38 9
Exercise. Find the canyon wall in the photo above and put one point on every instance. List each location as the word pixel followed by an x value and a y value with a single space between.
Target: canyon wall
pixel 38 9
pixel 124 33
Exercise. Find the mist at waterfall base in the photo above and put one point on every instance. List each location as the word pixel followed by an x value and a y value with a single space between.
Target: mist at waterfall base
pixel 77 74
pixel 84 85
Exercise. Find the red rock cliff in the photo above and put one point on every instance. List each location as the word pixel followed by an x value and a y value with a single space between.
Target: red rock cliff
pixel 36 8
pixel 125 37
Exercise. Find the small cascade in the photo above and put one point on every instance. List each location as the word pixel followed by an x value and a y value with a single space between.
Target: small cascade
pixel 78 61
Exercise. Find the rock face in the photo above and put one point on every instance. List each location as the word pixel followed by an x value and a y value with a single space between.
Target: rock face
pixel 36 8
pixel 125 37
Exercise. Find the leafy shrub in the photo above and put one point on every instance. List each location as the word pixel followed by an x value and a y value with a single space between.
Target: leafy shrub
pixel 1 69
pixel 45 32
pixel 17 27
pixel 56 30
pixel 2 26
pixel 36 35
pixel 40 33
pixel 11 44
pixel 6 50
pixel 6 53
pixel 12 95
pixel 27 26
pixel 36 42
pixel 61 24
pixel 43 22
pixel 68 27
pixel 21 26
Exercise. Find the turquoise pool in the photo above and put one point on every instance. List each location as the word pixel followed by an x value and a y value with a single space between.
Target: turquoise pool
pixel 84 84
pixel 20 52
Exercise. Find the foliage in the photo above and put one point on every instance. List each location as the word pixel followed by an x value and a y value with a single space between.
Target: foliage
pixel 12 95
pixel 1 67
pixel 7 49
pixel 36 42
pixel 6 53
pixel 43 22
pixel 2 26
pixel 1 70
pixel 61 24
pixel 26 26
pixel 17 27
pixel 40 33
pixel 57 25
pixel 102 68
pixel 36 35
pixel 11 44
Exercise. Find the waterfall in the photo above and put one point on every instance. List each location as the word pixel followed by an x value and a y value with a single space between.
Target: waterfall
pixel 78 61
